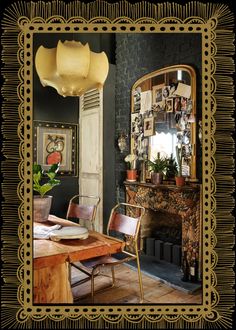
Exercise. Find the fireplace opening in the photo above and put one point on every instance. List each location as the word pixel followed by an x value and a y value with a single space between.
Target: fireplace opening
pixel 161 246
pixel 161 236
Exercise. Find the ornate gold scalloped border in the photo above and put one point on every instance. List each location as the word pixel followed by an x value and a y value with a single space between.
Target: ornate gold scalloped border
pixel 215 23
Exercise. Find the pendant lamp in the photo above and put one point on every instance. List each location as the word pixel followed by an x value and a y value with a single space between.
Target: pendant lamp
pixel 71 68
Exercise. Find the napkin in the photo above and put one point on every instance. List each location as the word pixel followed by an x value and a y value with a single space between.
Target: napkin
pixel 43 232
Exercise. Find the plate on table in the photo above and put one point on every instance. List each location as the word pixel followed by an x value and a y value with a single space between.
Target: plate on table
pixel 69 232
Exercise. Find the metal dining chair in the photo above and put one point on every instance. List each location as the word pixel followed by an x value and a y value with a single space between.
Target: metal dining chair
pixel 82 208
pixel 123 225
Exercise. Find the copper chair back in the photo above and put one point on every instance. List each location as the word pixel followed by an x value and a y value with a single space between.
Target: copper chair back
pixel 83 207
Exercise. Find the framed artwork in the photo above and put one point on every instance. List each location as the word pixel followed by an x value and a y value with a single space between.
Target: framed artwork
pixel 169 105
pixel 148 126
pixel 177 104
pixel 165 92
pixel 183 103
pixel 157 97
pixel 56 142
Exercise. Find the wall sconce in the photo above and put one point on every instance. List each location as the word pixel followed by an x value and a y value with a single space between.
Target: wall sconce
pixel 122 143
pixel 71 68
pixel 200 131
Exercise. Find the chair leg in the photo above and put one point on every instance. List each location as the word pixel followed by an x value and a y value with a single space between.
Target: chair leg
pixel 140 280
pixel 113 276
pixel 69 272
pixel 92 286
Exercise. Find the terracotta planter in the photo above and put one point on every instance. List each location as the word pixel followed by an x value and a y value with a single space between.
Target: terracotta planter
pixel 131 175
pixel 180 181
pixel 42 206
pixel 156 178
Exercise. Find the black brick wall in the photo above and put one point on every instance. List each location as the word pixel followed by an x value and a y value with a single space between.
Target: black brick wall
pixel 139 54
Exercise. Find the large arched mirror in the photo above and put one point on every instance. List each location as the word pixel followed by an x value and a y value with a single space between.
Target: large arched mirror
pixel 163 114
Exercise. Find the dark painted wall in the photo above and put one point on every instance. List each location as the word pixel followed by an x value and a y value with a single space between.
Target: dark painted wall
pixel 139 54
pixel 109 187
pixel 50 106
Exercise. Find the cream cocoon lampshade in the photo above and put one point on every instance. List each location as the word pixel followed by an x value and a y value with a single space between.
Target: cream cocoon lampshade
pixel 71 68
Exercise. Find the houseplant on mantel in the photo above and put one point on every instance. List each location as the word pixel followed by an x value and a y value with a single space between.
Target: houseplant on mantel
pixel 157 168
pixel 171 168
pixel 131 170
pixel 42 202
pixel 179 179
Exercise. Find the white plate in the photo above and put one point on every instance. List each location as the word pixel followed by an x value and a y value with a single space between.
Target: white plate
pixel 69 233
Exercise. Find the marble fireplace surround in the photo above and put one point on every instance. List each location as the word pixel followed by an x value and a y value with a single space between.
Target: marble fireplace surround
pixel 183 202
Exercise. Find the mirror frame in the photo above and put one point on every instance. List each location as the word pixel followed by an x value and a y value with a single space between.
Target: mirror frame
pixel 192 74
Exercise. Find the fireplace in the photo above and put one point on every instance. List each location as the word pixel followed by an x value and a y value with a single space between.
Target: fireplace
pixel 171 227
pixel 161 236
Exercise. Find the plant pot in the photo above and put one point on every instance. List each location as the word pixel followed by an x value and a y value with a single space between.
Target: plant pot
pixel 156 178
pixel 42 207
pixel 131 175
pixel 180 181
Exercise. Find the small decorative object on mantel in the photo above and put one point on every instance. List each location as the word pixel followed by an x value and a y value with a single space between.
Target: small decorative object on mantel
pixel 42 202
pixel 157 168
pixel 131 171
pixel 179 179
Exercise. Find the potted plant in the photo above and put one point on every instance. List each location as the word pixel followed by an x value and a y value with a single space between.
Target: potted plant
pixel 42 202
pixel 179 179
pixel 171 168
pixel 157 168
pixel 131 164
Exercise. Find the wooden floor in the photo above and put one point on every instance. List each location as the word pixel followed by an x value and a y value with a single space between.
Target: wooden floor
pixel 126 290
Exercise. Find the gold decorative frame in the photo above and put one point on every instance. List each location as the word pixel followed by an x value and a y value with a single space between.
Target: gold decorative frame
pixel 215 23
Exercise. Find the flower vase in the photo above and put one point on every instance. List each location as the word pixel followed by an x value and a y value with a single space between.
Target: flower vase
pixel 180 181
pixel 131 175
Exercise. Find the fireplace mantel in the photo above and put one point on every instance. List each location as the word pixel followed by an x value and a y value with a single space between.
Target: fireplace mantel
pixel 181 201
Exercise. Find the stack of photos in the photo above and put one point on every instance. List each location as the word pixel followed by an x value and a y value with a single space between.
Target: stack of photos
pixel 137 99
pixel 139 131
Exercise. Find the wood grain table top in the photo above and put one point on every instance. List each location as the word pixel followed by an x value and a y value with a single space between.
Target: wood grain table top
pixel 47 253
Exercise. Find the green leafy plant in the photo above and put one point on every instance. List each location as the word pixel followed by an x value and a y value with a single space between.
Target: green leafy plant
pixel 171 167
pixel 158 165
pixel 179 156
pixel 38 174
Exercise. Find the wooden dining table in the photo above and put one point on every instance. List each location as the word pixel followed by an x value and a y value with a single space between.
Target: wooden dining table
pixel 51 261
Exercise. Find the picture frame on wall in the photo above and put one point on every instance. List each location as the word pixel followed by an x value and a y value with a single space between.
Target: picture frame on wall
pixel 169 105
pixel 56 143
pixel 157 97
pixel 165 92
pixel 148 126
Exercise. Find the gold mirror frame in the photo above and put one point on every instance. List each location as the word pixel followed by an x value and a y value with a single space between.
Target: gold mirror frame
pixel 215 23
pixel 190 70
